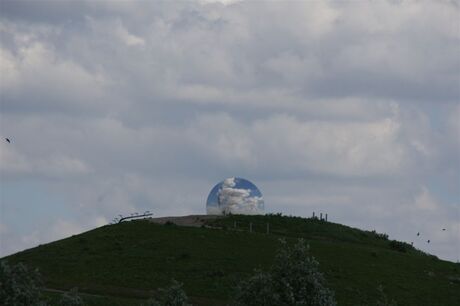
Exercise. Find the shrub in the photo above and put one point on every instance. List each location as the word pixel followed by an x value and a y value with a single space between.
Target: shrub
pixel 294 279
pixel 172 296
pixel 381 236
pixel 19 285
pixel 398 246
pixel 258 291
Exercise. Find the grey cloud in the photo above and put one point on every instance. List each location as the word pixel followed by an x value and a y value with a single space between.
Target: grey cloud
pixel 42 11
pixel 151 103
pixel 305 59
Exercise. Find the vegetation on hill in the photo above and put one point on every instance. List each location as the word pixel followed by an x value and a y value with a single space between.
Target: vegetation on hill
pixel 294 279
pixel 124 264
pixel 19 285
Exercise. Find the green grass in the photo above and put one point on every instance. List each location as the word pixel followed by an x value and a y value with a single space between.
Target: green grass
pixel 130 260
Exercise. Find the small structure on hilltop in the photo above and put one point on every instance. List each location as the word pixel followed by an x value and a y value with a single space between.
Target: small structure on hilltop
pixel 235 195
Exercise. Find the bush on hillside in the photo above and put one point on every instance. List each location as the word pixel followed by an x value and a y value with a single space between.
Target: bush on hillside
pixel 294 279
pixel 19 285
pixel 381 236
pixel 172 296
pixel 398 246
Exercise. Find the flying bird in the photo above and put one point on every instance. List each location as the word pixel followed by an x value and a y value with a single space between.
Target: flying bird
pixel 7 140
pixel 418 234
pixel 428 241
pixel 443 229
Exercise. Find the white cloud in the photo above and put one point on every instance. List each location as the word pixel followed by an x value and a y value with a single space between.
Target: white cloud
pixel 237 200
pixel 225 2
pixel 13 241
pixel 425 201
pixel 13 162
pixel 128 38
pixel 337 148
pixel 130 106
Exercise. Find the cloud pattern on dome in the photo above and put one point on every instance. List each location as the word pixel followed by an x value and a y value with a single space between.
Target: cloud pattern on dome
pixel 235 196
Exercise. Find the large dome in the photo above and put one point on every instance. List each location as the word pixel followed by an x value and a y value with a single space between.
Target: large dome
pixel 235 196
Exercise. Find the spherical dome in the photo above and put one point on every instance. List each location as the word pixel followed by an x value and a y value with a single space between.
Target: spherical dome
pixel 235 196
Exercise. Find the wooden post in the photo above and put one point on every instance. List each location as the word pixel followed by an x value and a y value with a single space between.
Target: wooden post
pixel 268 228
pixel 313 215
pixel 321 216
pixel 250 227
pixel 326 217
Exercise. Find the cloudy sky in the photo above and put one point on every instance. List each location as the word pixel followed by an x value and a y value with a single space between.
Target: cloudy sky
pixel 235 196
pixel 346 108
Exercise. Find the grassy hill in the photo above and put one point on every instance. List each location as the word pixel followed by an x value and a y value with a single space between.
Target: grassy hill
pixel 122 263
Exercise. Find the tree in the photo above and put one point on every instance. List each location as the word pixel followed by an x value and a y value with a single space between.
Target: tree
pixel 19 285
pixel 294 279
pixel 258 291
pixel 171 296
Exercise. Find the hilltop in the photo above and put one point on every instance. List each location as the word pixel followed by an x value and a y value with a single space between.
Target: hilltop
pixel 121 264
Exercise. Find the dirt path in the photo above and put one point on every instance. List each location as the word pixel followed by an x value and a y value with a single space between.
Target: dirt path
pixel 138 294
pixel 65 291
pixel 192 220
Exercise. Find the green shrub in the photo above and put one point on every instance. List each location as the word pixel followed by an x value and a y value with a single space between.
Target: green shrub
pixel 294 279
pixel 19 285
pixel 398 246
pixel 381 236
pixel 172 296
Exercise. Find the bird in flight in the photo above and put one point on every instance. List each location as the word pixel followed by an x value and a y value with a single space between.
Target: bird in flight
pixel 443 229
pixel 7 140
pixel 418 234
pixel 428 241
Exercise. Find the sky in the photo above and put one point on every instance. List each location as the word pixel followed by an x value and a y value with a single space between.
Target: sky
pixel 235 196
pixel 350 108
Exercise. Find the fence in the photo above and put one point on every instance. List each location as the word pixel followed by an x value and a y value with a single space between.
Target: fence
pixel 264 227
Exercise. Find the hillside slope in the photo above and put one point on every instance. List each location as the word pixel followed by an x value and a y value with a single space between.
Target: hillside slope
pixel 132 258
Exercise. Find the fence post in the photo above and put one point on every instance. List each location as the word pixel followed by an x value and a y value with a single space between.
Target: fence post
pixel 321 216
pixel 326 217
pixel 313 215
